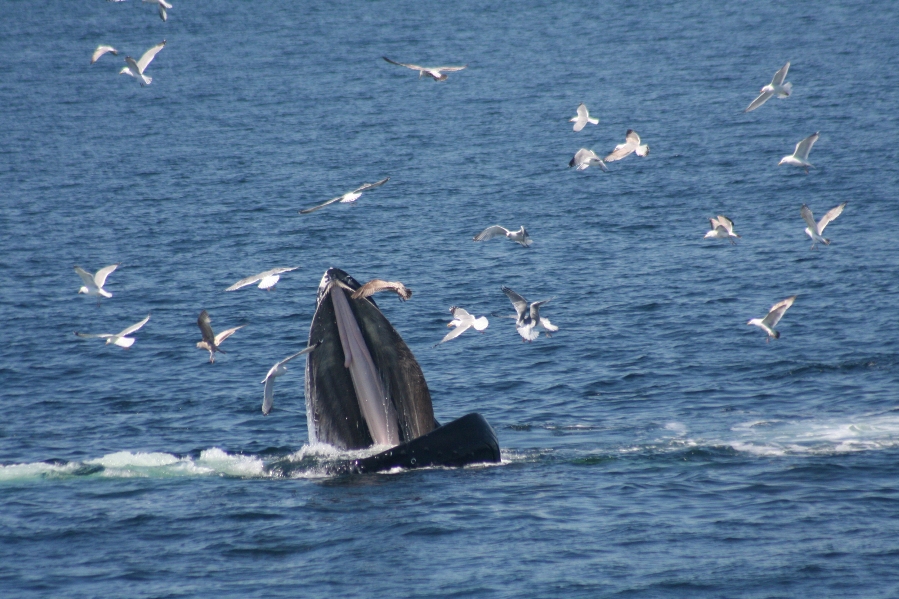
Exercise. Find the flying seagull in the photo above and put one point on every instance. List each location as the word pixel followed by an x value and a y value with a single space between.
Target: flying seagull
pixel 434 72
pixel 583 117
pixel 631 144
pixel 350 196
pixel 211 341
pixel 585 158
pixel 816 230
pixel 777 87
pixel 768 323
pixel 520 236
pixel 800 154
pixel 463 321
pixel 120 339
pixel 162 6
pixel 267 279
pixel 273 373
pixel 377 285
pixel 722 228
pixel 93 284
pixel 528 322
pixel 100 51
pixel 136 69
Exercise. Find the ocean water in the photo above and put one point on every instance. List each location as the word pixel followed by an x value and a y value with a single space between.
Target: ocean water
pixel 656 446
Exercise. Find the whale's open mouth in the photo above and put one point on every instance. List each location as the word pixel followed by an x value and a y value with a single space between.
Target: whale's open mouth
pixel 363 385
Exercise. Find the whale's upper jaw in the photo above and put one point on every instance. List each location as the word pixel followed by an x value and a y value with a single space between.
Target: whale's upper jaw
pixel 331 276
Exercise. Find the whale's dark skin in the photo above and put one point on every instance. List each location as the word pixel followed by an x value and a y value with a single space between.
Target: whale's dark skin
pixel 332 405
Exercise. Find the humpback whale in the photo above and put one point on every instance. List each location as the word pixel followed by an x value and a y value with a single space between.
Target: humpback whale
pixel 364 388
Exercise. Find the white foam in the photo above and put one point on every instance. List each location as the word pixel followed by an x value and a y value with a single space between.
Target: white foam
pixel 34 470
pixel 838 434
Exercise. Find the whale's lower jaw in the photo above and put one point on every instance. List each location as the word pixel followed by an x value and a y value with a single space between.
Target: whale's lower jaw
pixel 468 440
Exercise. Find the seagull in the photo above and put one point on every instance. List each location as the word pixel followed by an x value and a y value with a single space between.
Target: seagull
pixel 136 69
pixel 120 339
pixel 162 6
pixel 815 231
pixel 630 145
pixel 350 196
pixel 463 321
pixel 585 158
pixel 377 285
pixel 273 373
pixel 583 117
pixel 800 154
pixel 520 236
pixel 100 51
pixel 768 323
pixel 722 228
pixel 267 279
pixel 211 341
pixel 434 72
pixel 93 284
pixel 777 87
pixel 529 323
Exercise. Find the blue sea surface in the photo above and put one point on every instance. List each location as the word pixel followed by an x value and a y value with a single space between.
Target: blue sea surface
pixel 656 446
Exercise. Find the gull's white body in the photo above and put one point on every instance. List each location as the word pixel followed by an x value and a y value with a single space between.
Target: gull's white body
pixel 93 284
pixel 348 197
pixel 583 117
pixel 722 228
pixel 528 321
pixel 211 341
pixel 631 144
pixel 267 279
pixel 816 230
pixel 584 158
pixel 162 6
pixel 799 157
pixel 274 372
pixel 774 315
pixel 520 236
pixel 100 51
pixel 436 73
pixel 777 87
pixel 136 68
pixel 120 339
pixel 463 321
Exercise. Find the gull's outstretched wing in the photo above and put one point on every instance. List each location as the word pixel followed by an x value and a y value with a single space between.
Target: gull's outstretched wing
pixel 780 75
pixel 831 214
pixel 805 146
pixel 269 381
pixel 367 186
pixel 777 312
pixel 520 304
pixel 320 206
pixel 149 55
pixel 490 233
pixel 461 328
pixel 100 277
pixel 377 285
pixel 763 97
pixel 100 51
pixel 260 276
pixel 809 219
pixel 414 67
pixel 535 309
pixel 449 69
pixel 632 140
pixel 726 223
pixel 92 336
pixel 227 333
pixel 134 327
pixel 87 277
pixel 206 328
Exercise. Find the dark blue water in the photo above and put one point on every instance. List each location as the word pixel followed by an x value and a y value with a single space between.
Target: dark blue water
pixel 655 447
